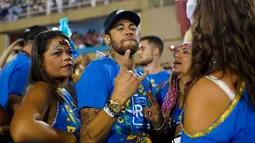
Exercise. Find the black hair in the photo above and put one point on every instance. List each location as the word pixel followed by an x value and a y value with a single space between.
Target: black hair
pixel 156 41
pixel 223 38
pixel 37 72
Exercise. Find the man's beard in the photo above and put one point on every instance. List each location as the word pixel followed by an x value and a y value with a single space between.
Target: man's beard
pixel 146 62
pixel 121 49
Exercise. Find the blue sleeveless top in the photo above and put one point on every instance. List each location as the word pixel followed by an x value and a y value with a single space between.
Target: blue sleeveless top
pixel 67 117
pixel 235 125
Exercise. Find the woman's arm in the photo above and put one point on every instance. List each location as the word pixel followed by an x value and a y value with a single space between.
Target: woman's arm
pixel 27 124
pixel 165 136
pixel 159 127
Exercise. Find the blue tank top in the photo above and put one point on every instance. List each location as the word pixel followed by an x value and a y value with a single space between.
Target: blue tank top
pixel 67 117
pixel 235 125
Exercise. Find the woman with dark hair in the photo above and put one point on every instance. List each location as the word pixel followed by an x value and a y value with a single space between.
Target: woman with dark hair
pixel 172 106
pixel 220 103
pixel 174 100
pixel 48 113
pixel 173 103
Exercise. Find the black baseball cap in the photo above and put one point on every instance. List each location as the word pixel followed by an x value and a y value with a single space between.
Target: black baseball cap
pixel 119 14
pixel 31 32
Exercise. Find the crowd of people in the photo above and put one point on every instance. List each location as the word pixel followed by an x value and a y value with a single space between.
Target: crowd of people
pixel 88 39
pixel 207 98
pixel 11 10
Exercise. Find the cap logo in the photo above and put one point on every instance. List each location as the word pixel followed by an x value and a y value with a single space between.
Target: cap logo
pixel 27 30
pixel 55 29
pixel 119 11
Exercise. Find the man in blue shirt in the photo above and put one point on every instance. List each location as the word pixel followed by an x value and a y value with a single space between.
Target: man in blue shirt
pixel 14 76
pixel 107 114
pixel 149 53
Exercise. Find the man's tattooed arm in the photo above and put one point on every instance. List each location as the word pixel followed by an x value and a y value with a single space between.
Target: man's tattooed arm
pixel 95 125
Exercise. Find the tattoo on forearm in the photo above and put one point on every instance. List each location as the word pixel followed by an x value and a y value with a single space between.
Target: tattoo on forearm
pixel 88 115
pixel 87 132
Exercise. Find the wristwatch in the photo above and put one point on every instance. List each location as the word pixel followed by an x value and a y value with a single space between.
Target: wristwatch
pixel 115 107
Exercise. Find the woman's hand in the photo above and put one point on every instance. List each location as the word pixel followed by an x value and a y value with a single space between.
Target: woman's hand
pixel 153 113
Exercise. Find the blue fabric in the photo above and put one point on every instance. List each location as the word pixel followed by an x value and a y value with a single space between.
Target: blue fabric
pixel 238 127
pixel 94 89
pixel 67 117
pixel 14 77
pixel 159 84
pixel 176 116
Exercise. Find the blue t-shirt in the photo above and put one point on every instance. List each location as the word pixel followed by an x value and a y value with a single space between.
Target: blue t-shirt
pixel 159 84
pixel 94 89
pixel 14 77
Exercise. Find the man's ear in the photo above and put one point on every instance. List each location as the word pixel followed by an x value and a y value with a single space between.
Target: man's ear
pixel 107 39
pixel 156 51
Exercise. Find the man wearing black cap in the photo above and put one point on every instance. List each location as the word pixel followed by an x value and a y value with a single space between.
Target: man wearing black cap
pixel 14 76
pixel 110 106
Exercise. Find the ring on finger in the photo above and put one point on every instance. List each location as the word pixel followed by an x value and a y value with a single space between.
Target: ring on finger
pixel 149 113
pixel 131 71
